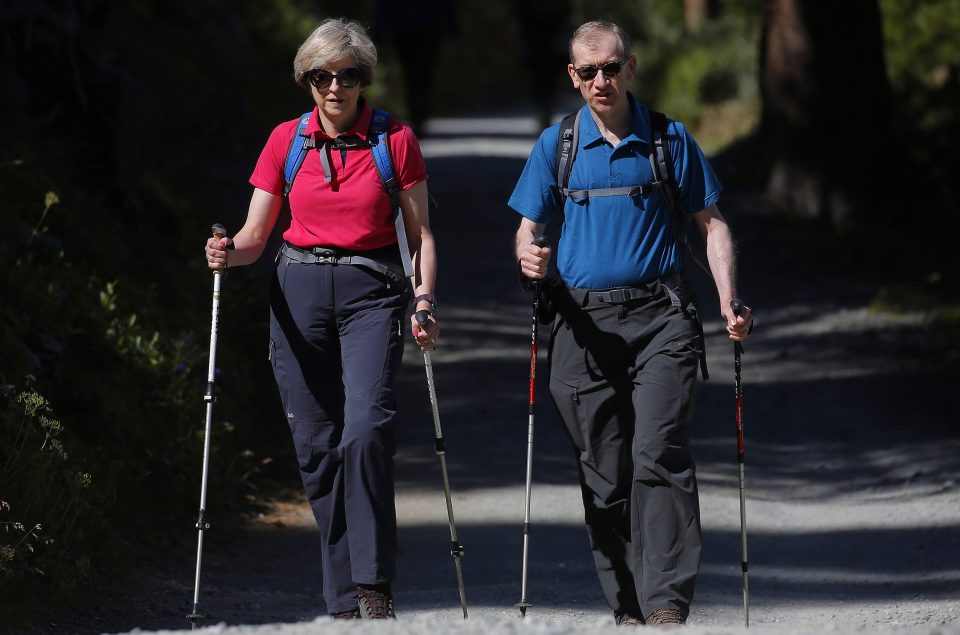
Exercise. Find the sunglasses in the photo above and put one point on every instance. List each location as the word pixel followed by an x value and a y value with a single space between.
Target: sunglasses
pixel 610 69
pixel 347 78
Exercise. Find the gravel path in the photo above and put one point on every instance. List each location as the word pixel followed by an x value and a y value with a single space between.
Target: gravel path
pixel 852 458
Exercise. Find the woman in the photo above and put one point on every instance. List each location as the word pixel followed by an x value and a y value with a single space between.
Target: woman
pixel 335 328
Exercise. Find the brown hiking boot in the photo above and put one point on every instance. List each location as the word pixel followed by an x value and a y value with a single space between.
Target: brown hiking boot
pixel 351 614
pixel 625 619
pixel 666 617
pixel 376 603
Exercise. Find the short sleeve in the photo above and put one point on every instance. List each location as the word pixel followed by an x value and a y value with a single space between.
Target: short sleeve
pixel 535 195
pixel 699 186
pixel 407 157
pixel 268 173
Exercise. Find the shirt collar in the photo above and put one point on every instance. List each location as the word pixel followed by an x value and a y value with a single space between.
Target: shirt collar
pixel 360 127
pixel 639 125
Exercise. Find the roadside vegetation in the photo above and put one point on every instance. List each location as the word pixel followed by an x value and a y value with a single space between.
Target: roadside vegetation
pixel 128 128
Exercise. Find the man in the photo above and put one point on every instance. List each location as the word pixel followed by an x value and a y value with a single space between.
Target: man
pixel 623 364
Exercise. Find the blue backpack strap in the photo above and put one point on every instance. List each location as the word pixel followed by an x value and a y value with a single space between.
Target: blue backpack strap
pixel 299 146
pixel 379 145
pixel 381 154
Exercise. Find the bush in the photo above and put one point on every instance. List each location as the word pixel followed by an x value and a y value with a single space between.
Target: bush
pixel 48 514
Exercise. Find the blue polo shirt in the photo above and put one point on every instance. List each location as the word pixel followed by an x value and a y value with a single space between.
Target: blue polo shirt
pixel 615 241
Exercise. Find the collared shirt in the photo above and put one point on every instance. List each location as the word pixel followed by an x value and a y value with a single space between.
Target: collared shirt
pixel 615 241
pixel 352 210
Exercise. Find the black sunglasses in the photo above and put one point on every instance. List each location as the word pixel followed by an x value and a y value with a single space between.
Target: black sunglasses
pixel 610 69
pixel 347 78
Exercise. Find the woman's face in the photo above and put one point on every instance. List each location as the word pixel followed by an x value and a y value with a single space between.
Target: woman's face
pixel 336 88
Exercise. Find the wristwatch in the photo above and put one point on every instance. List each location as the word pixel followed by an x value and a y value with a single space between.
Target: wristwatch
pixel 428 297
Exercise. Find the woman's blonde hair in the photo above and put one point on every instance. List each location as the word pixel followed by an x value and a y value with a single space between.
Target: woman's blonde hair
pixel 334 38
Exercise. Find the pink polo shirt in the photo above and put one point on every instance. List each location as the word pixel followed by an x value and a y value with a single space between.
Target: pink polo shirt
pixel 352 211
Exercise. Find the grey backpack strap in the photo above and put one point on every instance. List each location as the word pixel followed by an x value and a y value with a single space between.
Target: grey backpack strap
pixel 665 181
pixel 585 195
pixel 567 144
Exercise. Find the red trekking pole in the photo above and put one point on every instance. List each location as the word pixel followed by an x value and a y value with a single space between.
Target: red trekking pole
pixel 523 604
pixel 737 306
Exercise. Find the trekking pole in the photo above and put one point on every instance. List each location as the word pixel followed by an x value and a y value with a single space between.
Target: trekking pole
pixel 523 604
pixel 456 549
pixel 196 616
pixel 737 306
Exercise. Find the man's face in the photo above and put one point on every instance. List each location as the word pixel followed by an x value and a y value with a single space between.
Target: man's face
pixel 604 92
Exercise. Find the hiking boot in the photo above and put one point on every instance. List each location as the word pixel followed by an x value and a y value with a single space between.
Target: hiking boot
pixel 666 617
pixel 350 614
pixel 376 603
pixel 625 619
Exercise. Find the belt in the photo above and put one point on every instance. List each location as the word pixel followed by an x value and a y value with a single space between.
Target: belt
pixel 622 295
pixel 329 256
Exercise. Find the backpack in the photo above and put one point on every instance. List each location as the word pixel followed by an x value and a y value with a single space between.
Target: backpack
pixel 664 181
pixel 378 143
pixel 661 161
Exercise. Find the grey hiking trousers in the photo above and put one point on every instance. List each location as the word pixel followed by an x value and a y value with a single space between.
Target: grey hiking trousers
pixel 623 372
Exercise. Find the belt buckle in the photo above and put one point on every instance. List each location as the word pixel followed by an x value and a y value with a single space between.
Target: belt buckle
pixel 619 296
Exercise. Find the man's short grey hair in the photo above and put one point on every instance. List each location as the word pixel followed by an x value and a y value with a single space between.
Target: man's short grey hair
pixel 334 38
pixel 589 34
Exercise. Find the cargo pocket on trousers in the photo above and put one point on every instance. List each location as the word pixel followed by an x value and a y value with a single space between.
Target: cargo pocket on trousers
pixel 567 400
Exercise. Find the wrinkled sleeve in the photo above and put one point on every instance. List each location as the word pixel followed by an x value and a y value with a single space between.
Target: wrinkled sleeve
pixel 699 186
pixel 535 195
pixel 268 173
pixel 407 158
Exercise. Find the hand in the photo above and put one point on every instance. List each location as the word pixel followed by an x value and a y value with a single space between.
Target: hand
pixel 216 251
pixel 739 326
pixel 534 260
pixel 426 334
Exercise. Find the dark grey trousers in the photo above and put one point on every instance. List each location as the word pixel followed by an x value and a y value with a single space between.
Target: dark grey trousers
pixel 336 340
pixel 623 377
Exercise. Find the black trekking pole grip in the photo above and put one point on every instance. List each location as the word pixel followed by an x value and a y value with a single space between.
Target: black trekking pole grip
pixel 736 305
pixel 538 241
pixel 422 317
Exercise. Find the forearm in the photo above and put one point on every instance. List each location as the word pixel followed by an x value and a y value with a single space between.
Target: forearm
pixel 721 253
pixel 252 238
pixel 722 258
pixel 424 267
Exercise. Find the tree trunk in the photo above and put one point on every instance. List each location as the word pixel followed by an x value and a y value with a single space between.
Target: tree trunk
pixel 826 106
pixel 696 12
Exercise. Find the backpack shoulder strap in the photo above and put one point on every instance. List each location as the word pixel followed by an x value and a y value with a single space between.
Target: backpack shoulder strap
pixel 662 162
pixel 664 177
pixel 567 143
pixel 380 146
pixel 299 145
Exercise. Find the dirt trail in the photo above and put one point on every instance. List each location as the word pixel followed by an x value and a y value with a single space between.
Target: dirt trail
pixel 852 458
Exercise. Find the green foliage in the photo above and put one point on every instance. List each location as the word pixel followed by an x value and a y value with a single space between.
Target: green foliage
pixel 921 40
pixel 706 79
pixel 42 534
pixel 109 177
